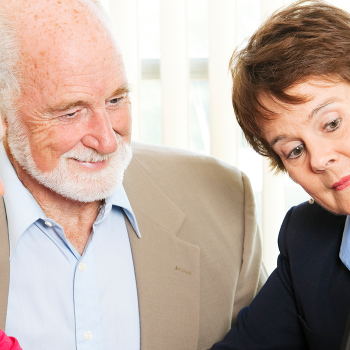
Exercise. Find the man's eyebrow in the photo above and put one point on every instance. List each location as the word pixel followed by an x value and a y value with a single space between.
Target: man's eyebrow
pixel 65 106
pixel 311 115
pixel 125 88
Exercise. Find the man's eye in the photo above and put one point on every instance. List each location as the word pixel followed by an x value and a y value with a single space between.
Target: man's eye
pixel 296 152
pixel 333 125
pixel 115 100
pixel 70 115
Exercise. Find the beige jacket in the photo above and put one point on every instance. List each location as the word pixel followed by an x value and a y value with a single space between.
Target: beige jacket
pixel 199 259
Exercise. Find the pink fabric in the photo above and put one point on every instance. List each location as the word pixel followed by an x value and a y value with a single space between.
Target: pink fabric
pixel 8 343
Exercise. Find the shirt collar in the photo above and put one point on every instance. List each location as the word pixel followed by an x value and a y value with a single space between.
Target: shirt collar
pixel 120 199
pixel 21 204
pixel 344 253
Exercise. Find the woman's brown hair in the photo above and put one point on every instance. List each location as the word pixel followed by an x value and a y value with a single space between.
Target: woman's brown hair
pixel 303 40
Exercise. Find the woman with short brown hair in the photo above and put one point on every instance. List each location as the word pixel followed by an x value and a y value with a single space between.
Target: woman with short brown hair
pixel 291 96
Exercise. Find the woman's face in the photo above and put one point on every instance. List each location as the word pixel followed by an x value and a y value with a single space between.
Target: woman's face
pixel 313 141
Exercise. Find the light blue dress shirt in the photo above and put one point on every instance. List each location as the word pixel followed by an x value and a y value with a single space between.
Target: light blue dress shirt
pixel 344 253
pixel 58 299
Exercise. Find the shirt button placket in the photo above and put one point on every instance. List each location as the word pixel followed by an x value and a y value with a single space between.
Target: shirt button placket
pixel 87 335
pixel 86 304
pixel 82 267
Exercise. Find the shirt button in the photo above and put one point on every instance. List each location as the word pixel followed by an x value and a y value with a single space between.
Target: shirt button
pixel 88 335
pixel 48 223
pixel 82 267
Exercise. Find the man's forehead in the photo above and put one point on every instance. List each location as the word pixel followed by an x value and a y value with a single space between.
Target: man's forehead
pixel 46 8
pixel 52 33
pixel 60 46
pixel 48 25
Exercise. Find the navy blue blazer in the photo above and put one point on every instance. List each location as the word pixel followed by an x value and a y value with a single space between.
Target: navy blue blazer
pixel 306 301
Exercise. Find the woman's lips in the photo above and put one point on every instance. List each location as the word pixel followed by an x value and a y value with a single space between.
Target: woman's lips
pixel 342 183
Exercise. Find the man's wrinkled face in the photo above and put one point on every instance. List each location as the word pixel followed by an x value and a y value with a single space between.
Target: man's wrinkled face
pixel 78 185
pixel 73 127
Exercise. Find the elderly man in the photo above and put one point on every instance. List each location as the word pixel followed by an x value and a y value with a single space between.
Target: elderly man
pixel 164 264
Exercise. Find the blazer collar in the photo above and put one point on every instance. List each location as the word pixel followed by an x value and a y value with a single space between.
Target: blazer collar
pixel 147 198
pixel 166 267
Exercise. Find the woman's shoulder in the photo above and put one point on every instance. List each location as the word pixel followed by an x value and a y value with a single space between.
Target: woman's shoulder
pixel 308 218
pixel 309 229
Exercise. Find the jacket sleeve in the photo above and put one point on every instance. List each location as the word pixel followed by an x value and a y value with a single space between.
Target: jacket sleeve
pixel 8 343
pixel 253 273
pixel 271 320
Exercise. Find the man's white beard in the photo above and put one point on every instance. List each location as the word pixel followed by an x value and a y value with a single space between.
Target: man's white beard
pixel 82 186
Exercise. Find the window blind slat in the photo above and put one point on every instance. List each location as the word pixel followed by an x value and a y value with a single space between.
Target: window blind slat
pixel 174 72
pixel 267 7
pixel 125 16
pixel 222 41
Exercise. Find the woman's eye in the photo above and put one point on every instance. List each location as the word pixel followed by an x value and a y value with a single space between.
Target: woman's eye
pixel 296 152
pixel 333 125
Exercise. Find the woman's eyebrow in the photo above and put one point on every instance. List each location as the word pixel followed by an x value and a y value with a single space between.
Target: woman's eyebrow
pixel 276 139
pixel 322 105
pixel 311 115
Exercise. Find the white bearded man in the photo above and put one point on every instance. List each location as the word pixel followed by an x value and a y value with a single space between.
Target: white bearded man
pixel 163 259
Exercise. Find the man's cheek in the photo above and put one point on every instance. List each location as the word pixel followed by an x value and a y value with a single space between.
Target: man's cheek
pixel 45 159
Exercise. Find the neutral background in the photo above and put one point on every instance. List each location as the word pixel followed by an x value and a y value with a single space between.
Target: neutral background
pixel 176 55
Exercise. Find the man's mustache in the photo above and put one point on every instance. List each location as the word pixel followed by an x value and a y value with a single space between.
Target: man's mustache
pixel 86 155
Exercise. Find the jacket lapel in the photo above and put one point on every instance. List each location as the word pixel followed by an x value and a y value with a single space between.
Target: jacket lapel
pixel 166 268
pixel 4 265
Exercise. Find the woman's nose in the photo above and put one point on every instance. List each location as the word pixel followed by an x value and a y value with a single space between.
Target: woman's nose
pixel 322 159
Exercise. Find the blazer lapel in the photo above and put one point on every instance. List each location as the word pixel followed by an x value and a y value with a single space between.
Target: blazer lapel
pixel 166 268
pixel 4 265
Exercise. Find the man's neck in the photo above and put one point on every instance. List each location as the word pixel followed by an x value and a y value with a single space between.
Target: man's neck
pixel 75 217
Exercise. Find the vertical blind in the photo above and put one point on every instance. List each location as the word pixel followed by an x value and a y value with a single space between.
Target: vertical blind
pixel 176 55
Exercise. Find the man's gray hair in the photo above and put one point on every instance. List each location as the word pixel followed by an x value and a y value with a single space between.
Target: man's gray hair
pixel 10 63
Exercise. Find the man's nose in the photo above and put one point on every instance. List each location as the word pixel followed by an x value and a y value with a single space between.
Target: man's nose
pixel 322 158
pixel 100 135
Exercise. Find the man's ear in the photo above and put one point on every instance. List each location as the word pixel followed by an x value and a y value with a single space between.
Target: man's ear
pixel 3 126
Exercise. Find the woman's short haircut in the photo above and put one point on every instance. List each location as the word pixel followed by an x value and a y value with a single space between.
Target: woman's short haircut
pixel 303 40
